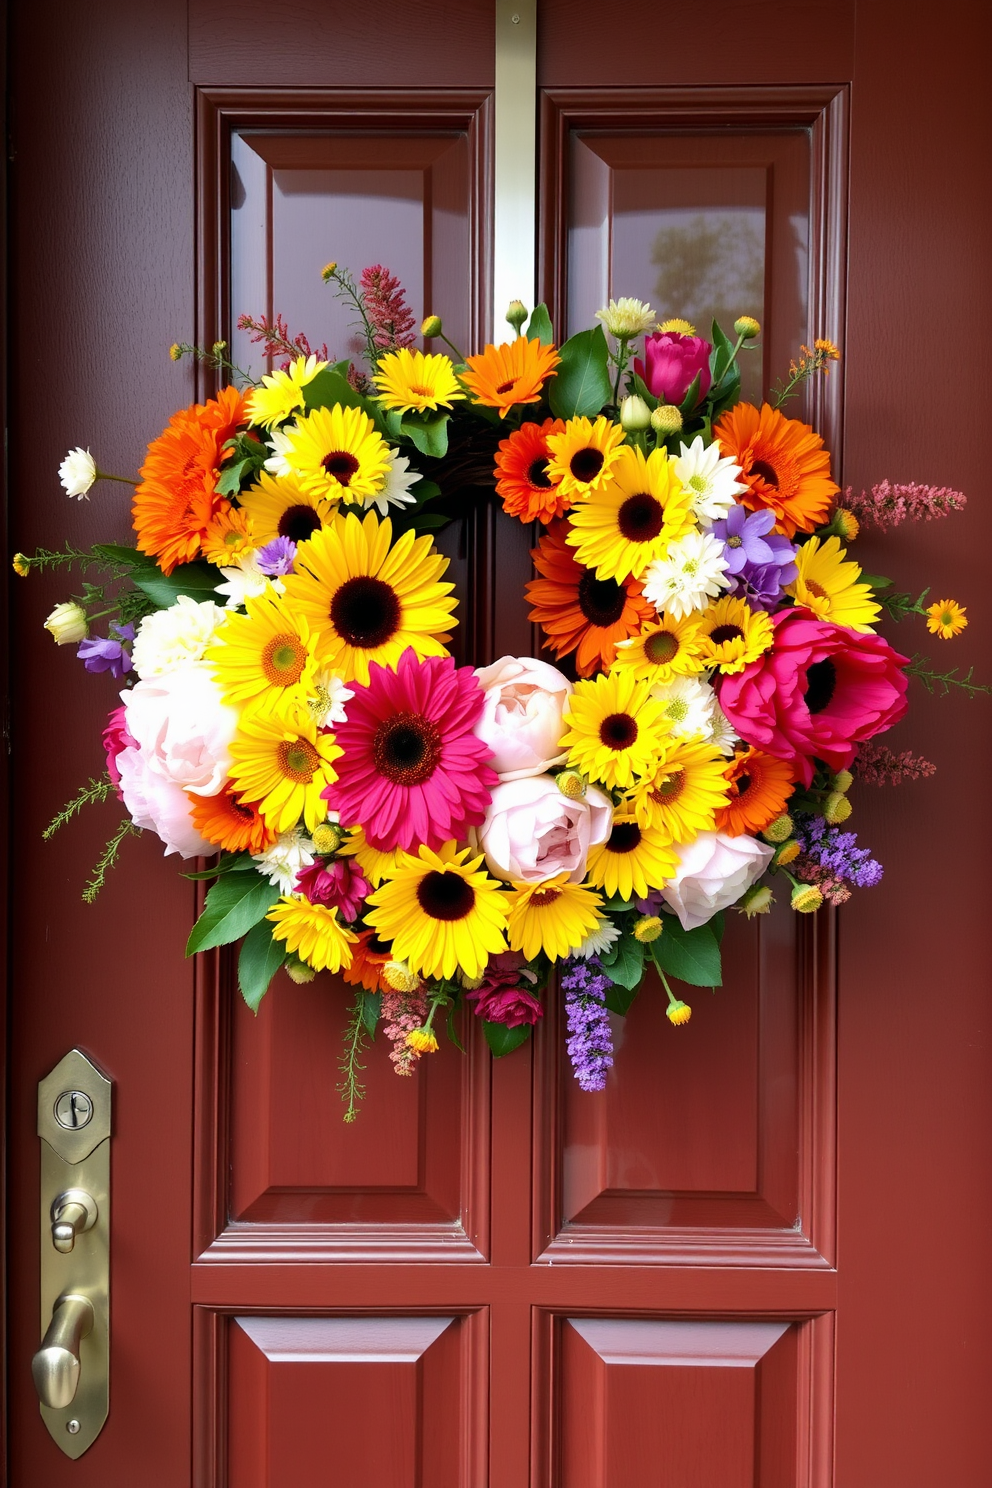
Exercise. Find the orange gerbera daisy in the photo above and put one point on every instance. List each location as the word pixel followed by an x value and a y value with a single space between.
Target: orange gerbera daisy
pixel 231 824
pixel 512 373
pixel 527 490
pixel 368 957
pixel 783 462
pixel 760 785
pixel 227 535
pixel 579 612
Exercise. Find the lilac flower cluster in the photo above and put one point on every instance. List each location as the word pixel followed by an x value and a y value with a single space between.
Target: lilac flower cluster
pixel 590 1047
pixel 837 852
pixel 759 562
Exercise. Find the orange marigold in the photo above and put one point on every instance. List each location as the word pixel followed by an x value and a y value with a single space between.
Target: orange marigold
pixel 231 824
pixel 579 612
pixel 783 462
pixel 760 785
pixel 502 376
pixel 368 958
pixel 522 469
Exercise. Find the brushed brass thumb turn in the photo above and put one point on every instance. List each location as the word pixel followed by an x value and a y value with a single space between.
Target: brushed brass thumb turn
pixel 56 1364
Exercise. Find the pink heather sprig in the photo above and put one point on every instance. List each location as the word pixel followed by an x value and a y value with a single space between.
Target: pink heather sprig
pixel 277 340
pixel 402 1012
pixel 877 765
pixel 833 889
pixel 886 505
pixel 390 319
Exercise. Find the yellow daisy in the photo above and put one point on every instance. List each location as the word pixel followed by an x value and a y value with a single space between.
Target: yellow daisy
pixel 228 537
pixel 368 599
pixel 683 794
pixel 337 453
pixel 616 729
pixel 281 506
pixel 633 860
pixel 621 527
pixel 581 456
pixel 265 655
pixel 662 651
pixel 442 912
pixel 314 932
pixel 554 917
pixel 829 586
pixel 731 634
pixel 946 619
pixel 281 764
pixel 375 865
pixel 281 393
pixel 416 381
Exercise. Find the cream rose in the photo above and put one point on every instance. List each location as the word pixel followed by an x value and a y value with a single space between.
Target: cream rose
pixel 532 832
pixel 713 873
pixel 182 727
pixel 521 715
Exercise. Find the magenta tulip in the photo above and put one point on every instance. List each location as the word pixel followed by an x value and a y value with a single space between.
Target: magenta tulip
pixel 672 363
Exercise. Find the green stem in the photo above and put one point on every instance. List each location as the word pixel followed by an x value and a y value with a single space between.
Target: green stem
pixel 458 355
pixel 104 475
pixel 351 1090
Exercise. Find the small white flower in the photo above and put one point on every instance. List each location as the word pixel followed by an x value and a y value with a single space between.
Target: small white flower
pixel 688 705
pixel 247 581
pixel 626 318
pixel 291 852
pixel 67 624
pixel 77 472
pixel 711 480
pixel 278 464
pixel 327 705
pixel 171 637
pixel 688 577
pixel 598 941
pixel 396 491
pixel 721 734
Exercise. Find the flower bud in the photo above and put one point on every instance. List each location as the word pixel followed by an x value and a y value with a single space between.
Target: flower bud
pixel 67 624
pixel 806 898
pixel 431 327
pixel 398 976
pixel 218 349
pixel 843 781
pixel 21 564
pixel 327 838
pixel 298 971
pixel 786 852
pixel 678 1013
pixel 758 900
pixel 779 829
pixel 176 352
pixel 666 420
pixel 422 1040
pixel 648 928
pixel 517 314
pixel 634 414
pixel 747 327
pixel 328 271
pixel 846 524
pixel 837 808
pixel 471 984
pixel 572 784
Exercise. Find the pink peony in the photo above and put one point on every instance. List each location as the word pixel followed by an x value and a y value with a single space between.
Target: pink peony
pixel 521 716
pixel 819 692
pixel 713 873
pixel 532 832
pixel 672 364
pixel 501 998
pixel 183 727
pixel 338 884
pixel 115 739
pixel 159 805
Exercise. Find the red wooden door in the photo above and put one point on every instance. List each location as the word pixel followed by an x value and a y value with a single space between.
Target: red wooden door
pixel 759 1257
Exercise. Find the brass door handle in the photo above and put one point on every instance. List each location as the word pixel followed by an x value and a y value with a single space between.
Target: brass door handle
pixel 72 1212
pixel 56 1364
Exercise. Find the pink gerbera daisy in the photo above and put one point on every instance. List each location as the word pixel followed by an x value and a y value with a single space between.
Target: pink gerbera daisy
pixel 413 771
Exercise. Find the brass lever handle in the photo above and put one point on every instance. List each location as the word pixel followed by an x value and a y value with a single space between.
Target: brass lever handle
pixel 56 1364
pixel 72 1212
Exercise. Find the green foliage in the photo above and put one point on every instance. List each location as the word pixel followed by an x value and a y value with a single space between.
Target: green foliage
pixel 259 960
pixel 371 1009
pixel 581 386
pixel 108 858
pixel 198 580
pixel 725 374
pixel 619 998
pixel 226 863
pixel 503 1040
pixel 692 956
pixel 234 904
pixel 90 794
pixel 898 605
pixel 942 682
pixel 624 964
pixel 331 386
pixel 640 387
pixel 351 1090
pixel 429 431
pixel 539 326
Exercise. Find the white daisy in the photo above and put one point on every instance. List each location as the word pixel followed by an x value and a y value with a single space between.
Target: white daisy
pixel 721 734
pixel 247 581
pixel 711 480
pixel 688 577
pixel 330 696
pixel 626 318
pixel 171 637
pixel 291 852
pixel 396 491
pixel 598 941
pixel 688 705
pixel 277 463
pixel 77 472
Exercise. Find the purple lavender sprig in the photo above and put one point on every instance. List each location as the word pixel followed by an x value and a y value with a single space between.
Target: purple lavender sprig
pixel 837 852
pixel 590 1047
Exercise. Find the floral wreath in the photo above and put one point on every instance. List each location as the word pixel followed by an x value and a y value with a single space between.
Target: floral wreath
pixel 443 836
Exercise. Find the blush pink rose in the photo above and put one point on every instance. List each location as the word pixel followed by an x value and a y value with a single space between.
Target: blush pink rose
pixel 521 716
pixel 671 364
pixel 159 805
pixel 183 727
pixel 713 873
pixel 532 832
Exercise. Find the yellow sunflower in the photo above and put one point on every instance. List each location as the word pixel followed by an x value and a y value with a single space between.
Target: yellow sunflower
pixel 626 524
pixel 633 860
pixel 281 393
pixel 229 536
pixel 367 599
pixel 416 381
pixel 281 764
pixel 554 916
pixel 337 453
pixel 616 729
pixel 829 586
pixel 265 655
pixel 442 912
pixel 731 634
pixel 683 794
pixel 314 932
pixel 375 865
pixel 581 456
pixel 281 506
pixel 662 651
pixel 502 376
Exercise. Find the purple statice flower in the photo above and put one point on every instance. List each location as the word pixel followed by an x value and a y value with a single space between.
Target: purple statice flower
pixel 110 655
pixel 590 1047
pixel 760 562
pixel 837 852
pixel 277 557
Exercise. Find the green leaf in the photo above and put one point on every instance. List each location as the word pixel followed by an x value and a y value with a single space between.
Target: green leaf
pixel 371 1008
pixel 617 905
pixel 227 863
pixel 692 956
pixel 127 557
pixel 452 1031
pixel 539 325
pixel 581 385
pixel 258 962
pixel 234 904
pixel 625 965
pixel 331 386
pixel 428 521
pixel 722 354
pixel 429 431
pixel 503 1040
pixel 719 923
pixel 691 398
pixel 198 580
pixel 229 483
pixel 424 491
pixel 640 387
pixel 619 998
pixel 877 581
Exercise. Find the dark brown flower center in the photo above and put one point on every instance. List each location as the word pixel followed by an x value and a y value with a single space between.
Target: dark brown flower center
pixel 766 472
pixel 641 518
pixel 298 523
pixel 602 601
pixel 668 788
pixel 545 896
pixel 821 679
pixel 586 464
pixel 618 730
pixel 406 748
pixel 624 837
pixel 245 813
pixel 537 474
pixel 505 387
pixel 365 612
pixel 726 633
pixel 661 647
pixel 445 896
pixel 743 784
pixel 341 464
